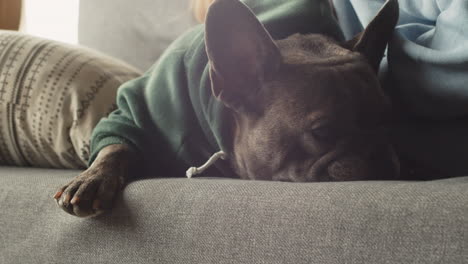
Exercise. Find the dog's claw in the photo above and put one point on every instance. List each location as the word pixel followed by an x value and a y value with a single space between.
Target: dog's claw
pixel 75 200
pixel 67 198
pixel 58 194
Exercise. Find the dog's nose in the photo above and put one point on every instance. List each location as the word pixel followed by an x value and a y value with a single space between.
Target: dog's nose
pixel 349 168
pixel 379 163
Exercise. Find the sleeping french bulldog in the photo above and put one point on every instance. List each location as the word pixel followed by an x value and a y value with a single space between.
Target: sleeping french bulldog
pixel 304 108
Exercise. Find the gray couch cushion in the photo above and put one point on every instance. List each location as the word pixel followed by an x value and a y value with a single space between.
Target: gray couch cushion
pixel 235 221
pixel 136 31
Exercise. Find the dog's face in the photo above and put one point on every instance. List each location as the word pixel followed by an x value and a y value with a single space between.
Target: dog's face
pixel 305 108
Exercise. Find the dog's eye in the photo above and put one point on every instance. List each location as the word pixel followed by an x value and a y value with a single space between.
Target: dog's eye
pixel 323 133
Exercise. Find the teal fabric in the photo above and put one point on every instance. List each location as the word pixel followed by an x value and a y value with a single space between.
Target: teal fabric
pixel 169 114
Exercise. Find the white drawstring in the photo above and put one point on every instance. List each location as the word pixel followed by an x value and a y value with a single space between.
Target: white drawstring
pixel 194 170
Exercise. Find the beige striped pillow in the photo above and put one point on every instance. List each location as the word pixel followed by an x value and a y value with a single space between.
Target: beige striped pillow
pixel 51 96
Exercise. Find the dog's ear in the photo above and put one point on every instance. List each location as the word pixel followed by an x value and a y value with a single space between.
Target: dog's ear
pixel 241 53
pixel 374 39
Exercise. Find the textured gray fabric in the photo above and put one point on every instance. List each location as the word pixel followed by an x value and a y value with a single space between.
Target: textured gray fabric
pixel 234 221
pixel 136 31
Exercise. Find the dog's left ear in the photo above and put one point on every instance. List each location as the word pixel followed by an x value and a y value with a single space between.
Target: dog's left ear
pixel 241 53
pixel 374 39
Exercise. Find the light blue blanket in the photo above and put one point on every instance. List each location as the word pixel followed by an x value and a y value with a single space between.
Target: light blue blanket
pixel 428 56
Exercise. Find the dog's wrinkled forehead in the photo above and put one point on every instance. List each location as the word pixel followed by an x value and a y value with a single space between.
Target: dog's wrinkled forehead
pixel 321 75
pixel 312 49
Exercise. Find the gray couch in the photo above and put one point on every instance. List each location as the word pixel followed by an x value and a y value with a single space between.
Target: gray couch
pixel 213 220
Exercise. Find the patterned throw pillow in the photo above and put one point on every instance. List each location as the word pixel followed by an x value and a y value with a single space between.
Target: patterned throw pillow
pixel 51 97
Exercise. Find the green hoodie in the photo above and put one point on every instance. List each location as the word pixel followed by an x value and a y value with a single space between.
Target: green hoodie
pixel 169 114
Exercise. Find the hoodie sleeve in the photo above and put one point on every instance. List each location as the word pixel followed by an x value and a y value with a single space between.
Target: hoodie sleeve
pixel 150 109
pixel 124 125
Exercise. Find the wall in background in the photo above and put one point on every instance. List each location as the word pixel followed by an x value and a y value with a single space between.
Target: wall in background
pixel 53 19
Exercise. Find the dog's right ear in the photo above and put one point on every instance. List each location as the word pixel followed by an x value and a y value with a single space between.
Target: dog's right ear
pixel 375 37
pixel 241 53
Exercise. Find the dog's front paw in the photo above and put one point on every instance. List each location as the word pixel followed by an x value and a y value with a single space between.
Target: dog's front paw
pixel 90 193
